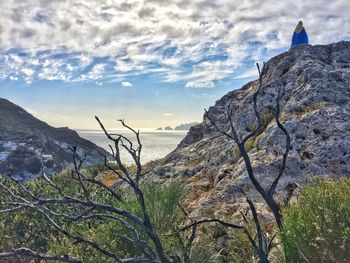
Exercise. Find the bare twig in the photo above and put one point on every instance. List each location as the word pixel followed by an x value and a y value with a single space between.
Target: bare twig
pixel 42 256
pixel 267 195
pixel 264 246
pixel 287 147
pixel 88 207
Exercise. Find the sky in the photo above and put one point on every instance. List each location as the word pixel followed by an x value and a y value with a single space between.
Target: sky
pixel 154 63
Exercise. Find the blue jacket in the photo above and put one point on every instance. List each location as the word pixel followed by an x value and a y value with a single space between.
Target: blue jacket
pixel 300 38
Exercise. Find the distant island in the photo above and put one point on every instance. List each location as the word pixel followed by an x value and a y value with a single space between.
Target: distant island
pixel 181 127
pixel 185 127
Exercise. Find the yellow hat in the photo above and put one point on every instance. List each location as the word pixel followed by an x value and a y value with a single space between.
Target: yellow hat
pixel 299 27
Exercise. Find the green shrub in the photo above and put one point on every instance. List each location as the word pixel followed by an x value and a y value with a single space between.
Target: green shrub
pixel 162 204
pixel 28 228
pixel 239 250
pixel 218 244
pixel 250 144
pixel 319 225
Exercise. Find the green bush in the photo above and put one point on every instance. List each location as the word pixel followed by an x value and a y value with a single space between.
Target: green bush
pixel 318 226
pixel 162 204
pixel 29 228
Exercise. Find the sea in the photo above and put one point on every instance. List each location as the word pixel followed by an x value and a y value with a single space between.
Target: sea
pixel 155 144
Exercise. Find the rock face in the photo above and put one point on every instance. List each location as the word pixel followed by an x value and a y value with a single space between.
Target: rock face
pixel 26 143
pixel 314 82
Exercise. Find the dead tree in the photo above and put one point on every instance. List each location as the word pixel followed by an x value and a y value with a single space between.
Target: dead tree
pixel 261 244
pixel 266 194
pixel 87 207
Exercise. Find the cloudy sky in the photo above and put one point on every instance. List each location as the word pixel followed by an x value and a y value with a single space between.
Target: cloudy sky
pixel 154 63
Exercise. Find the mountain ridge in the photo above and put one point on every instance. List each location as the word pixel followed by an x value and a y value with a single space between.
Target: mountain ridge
pixel 28 143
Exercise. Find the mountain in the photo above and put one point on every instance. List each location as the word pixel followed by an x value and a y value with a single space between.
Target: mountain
pixel 185 127
pixel 168 128
pixel 314 82
pixel 26 143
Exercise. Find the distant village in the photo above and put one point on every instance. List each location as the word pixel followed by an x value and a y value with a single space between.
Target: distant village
pixel 6 147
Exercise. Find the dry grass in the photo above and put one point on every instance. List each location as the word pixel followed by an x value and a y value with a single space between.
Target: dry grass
pixel 301 112
pixel 108 178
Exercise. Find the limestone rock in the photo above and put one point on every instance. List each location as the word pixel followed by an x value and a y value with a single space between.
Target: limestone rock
pixel 314 82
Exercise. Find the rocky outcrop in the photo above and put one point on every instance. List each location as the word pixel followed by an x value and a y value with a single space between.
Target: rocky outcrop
pixel 315 109
pixel 27 144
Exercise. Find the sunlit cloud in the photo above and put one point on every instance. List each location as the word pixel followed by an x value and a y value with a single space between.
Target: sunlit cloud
pixel 126 84
pixel 168 114
pixel 202 84
pixel 33 112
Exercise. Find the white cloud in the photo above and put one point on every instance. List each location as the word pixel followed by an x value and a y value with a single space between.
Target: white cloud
pixel 28 71
pixel 126 84
pixel 251 73
pixel 200 84
pixel 168 114
pixel 197 42
pixel 13 78
pixel 96 72
pixel 33 112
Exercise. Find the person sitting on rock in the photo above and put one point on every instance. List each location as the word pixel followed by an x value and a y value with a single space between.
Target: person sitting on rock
pixel 299 36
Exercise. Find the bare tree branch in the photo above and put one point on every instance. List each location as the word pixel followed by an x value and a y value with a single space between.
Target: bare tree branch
pixel 287 147
pixel 267 195
pixel 30 253
pixel 214 220
pixel 264 246
pixel 87 206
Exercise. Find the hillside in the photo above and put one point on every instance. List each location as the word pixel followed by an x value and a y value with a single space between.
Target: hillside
pixel 26 142
pixel 315 109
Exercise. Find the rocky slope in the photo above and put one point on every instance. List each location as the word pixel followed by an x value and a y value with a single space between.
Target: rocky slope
pixel 315 109
pixel 26 143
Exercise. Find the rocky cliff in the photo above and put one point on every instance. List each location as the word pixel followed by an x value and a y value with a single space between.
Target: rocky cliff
pixel 315 109
pixel 26 143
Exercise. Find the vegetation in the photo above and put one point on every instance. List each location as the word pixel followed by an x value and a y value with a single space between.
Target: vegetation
pixel 307 109
pixel 317 228
pixel 30 228
pixel 110 214
pixel 165 214
pixel 69 206
pixel 96 214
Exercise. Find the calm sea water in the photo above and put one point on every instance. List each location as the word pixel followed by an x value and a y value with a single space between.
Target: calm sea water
pixel 155 144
